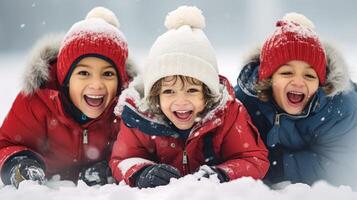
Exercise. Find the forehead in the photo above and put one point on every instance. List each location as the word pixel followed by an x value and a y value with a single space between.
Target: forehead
pixel 179 80
pixel 296 64
pixel 94 62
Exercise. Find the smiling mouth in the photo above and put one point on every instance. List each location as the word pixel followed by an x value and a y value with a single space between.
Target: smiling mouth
pixel 183 115
pixel 295 97
pixel 94 100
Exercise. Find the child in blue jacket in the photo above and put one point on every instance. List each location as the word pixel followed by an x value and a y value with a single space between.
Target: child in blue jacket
pixel 299 95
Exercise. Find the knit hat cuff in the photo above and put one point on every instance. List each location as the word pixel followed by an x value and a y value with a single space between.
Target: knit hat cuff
pixel 181 64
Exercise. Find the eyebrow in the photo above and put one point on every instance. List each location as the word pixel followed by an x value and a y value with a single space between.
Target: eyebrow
pixel 88 66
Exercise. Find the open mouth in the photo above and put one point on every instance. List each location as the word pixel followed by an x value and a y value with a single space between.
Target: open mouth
pixel 183 115
pixel 295 97
pixel 94 100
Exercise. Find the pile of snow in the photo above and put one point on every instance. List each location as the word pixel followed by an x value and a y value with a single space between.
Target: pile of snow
pixel 184 188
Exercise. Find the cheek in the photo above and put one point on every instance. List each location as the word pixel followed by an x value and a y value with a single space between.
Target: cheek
pixel 278 90
pixel 200 104
pixel 164 104
pixel 313 88
pixel 75 91
pixel 112 88
pixel 279 94
pixel 75 96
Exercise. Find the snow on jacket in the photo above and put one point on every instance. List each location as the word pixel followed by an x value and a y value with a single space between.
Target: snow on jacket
pixel 145 140
pixel 37 124
pixel 318 144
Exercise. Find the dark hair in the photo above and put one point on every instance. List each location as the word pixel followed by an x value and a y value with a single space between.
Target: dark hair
pixel 154 95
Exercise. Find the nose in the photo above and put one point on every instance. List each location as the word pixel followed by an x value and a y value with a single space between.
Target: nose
pixel 298 81
pixel 181 100
pixel 96 84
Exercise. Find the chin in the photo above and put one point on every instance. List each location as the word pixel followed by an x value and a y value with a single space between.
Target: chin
pixel 93 115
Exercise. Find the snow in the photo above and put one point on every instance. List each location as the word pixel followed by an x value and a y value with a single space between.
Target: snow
pixel 186 188
pixel 95 25
pixel 11 68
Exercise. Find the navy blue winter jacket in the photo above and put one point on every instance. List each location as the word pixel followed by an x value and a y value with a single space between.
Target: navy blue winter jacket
pixel 321 143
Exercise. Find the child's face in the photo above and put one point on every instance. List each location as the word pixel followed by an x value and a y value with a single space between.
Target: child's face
pixel 293 85
pixel 181 103
pixel 92 86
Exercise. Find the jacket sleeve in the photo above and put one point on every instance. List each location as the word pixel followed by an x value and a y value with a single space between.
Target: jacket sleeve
pixel 132 151
pixel 23 129
pixel 242 149
pixel 331 156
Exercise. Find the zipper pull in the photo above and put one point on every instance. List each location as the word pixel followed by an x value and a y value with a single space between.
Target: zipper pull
pixel 85 136
pixel 277 119
pixel 184 159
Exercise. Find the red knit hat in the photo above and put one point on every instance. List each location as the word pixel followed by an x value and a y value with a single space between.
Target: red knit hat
pixel 98 35
pixel 294 39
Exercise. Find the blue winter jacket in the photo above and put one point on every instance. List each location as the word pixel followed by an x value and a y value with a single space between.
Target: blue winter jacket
pixel 321 143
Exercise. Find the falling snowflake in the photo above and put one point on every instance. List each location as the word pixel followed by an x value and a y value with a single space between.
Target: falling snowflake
pixel 92 153
pixel 245 145
pixel 257 113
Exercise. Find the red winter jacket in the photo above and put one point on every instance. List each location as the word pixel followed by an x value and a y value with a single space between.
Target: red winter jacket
pixel 37 124
pixel 235 141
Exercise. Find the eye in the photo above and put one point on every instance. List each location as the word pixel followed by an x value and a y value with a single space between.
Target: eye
pixel 286 73
pixel 83 73
pixel 168 91
pixel 192 90
pixel 310 76
pixel 109 73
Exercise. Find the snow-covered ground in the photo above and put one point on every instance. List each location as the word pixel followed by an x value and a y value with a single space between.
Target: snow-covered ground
pixel 11 68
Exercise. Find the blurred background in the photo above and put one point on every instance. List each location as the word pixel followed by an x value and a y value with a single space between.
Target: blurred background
pixel 232 26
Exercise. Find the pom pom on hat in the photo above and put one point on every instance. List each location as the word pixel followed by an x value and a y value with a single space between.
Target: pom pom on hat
pixel 293 39
pixel 299 19
pixel 96 35
pixel 183 49
pixel 185 15
pixel 105 14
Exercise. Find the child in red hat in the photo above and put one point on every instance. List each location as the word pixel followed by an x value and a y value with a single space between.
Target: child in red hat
pixel 62 122
pixel 299 95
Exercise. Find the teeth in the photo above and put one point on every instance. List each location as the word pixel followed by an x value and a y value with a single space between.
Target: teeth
pixel 95 97
pixel 179 111
pixel 293 92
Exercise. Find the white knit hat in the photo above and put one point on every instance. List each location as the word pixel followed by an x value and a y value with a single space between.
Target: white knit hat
pixel 183 50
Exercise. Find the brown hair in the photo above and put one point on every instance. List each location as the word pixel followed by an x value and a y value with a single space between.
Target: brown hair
pixel 154 95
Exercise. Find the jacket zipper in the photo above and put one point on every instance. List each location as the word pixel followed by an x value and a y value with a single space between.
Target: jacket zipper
pixel 85 136
pixel 277 119
pixel 185 161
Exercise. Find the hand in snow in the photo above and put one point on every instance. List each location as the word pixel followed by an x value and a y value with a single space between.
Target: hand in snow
pixel 97 174
pixel 26 169
pixel 210 171
pixel 156 175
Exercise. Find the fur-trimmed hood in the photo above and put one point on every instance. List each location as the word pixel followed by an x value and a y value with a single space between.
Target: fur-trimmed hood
pixel 337 69
pixel 42 60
